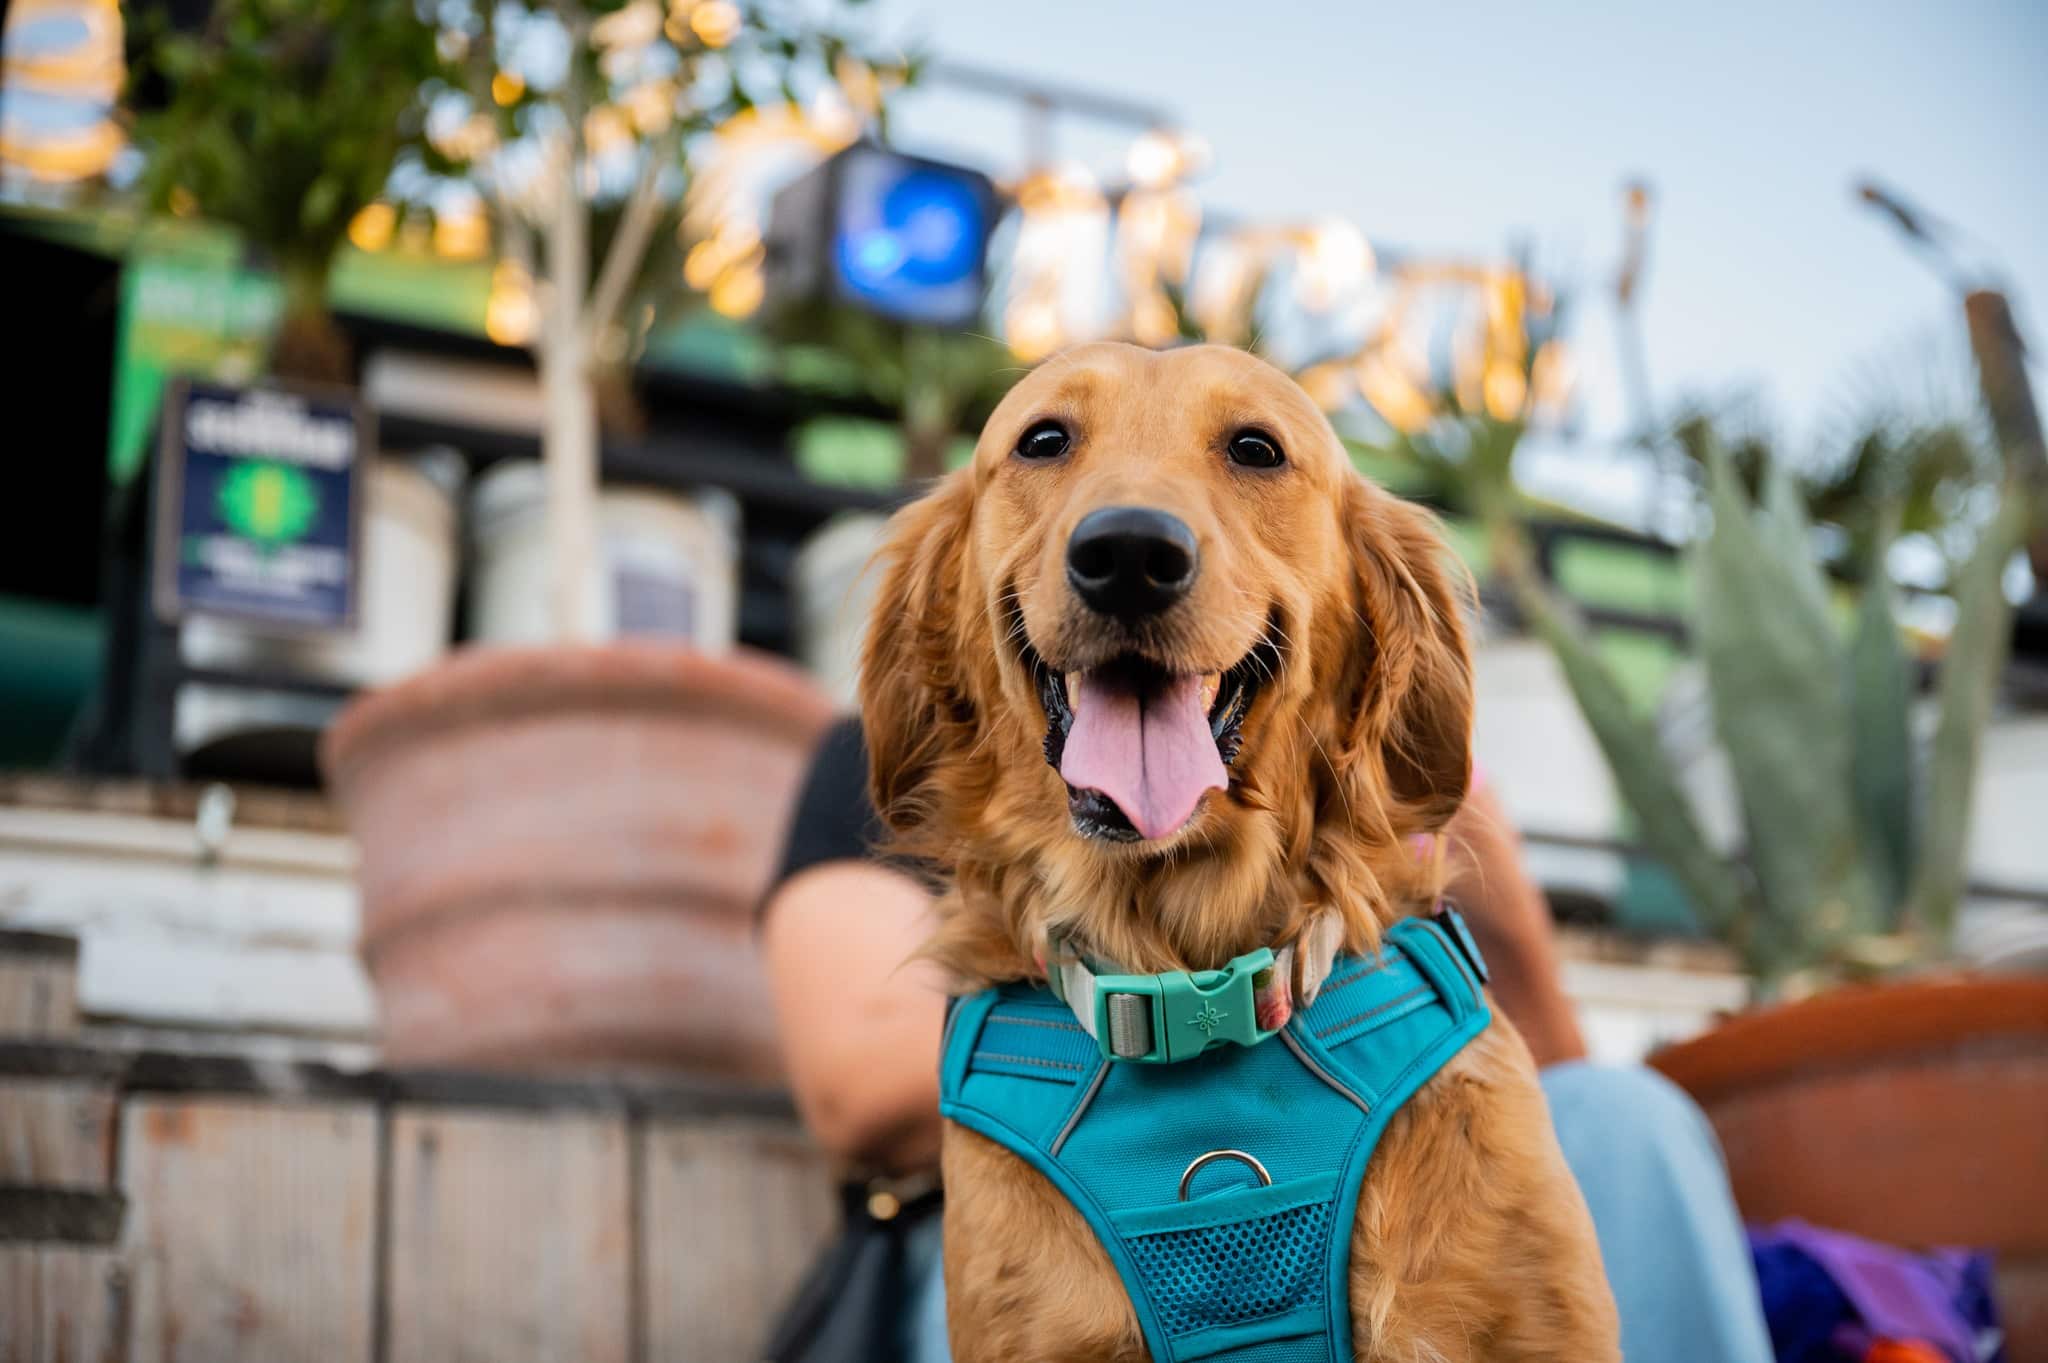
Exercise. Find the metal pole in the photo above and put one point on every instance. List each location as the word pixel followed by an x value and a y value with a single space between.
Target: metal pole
pixel 2008 394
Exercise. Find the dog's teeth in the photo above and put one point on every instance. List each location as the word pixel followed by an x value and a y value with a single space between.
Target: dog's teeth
pixel 1073 690
pixel 1210 681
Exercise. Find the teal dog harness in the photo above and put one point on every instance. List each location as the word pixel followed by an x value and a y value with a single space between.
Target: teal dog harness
pixel 1219 1162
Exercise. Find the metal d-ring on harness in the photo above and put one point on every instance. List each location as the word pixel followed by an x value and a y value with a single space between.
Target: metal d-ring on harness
pixel 1124 1116
pixel 1202 1162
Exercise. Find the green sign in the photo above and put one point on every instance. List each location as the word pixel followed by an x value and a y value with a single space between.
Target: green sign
pixel 181 317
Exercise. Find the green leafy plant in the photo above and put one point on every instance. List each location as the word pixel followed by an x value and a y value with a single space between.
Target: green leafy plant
pixel 282 119
pixel 1856 845
pixel 1905 453
pixel 1855 834
pixel 937 381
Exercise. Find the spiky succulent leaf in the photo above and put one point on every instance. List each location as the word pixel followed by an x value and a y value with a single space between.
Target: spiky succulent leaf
pixel 1642 772
pixel 1969 676
pixel 1880 695
pixel 1774 668
pixel 1788 532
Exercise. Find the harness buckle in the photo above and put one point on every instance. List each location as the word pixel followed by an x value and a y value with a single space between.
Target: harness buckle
pixel 1177 1015
pixel 1452 923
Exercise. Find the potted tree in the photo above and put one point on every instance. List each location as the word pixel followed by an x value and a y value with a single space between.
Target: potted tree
pixel 282 120
pixel 562 845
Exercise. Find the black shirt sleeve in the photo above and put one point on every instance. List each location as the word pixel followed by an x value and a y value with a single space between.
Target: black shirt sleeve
pixel 835 819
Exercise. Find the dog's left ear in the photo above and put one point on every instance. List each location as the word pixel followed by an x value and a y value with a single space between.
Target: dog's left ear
pixel 1411 664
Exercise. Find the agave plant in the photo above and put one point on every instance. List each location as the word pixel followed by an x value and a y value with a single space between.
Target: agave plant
pixel 936 380
pixel 1855 839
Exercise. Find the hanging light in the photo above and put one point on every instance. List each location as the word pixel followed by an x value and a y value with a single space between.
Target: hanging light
pixel 1220 296
pixel 1154 322
pixel 1032 328
pixel 1506 390
pixel 1154 159
pixel 1551 378
pixel 72 62
pixel 461 232
pixel 510 314
pixel 1387 378
pixel 1333 262
pixel 630 26
pixel 606 129
pixel 715 22
pixel 371 228
pixel 1329 385
pixel 738 292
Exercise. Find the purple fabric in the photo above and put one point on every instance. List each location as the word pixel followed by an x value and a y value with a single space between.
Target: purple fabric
pixel 1834 1294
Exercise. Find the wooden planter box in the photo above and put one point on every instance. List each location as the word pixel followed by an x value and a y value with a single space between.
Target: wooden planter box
pixel 157 1208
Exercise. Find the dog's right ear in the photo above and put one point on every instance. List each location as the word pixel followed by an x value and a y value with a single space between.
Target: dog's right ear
pixel 915 702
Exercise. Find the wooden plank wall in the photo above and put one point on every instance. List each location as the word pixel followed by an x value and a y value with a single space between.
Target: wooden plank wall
pixel 160 1209
pixel 469 1281
pixel 38 984
pixel 57 1131
pixel 749 1194
pixel 250 1228
pixel 62 1304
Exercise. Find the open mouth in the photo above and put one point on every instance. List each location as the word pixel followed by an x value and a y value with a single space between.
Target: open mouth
pixel 1139 745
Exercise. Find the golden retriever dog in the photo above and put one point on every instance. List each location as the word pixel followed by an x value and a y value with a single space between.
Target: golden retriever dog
pixel 1162 673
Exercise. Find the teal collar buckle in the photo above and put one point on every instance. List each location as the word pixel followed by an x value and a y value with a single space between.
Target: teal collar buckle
pixel 1177 1015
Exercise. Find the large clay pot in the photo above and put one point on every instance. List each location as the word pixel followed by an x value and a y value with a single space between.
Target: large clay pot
pixel 1914 1113
pixel 561 851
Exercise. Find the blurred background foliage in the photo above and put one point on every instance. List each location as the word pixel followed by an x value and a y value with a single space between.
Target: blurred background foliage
pixel 282 119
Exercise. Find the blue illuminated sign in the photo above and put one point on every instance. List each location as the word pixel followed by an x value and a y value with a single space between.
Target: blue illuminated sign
pixel 910 237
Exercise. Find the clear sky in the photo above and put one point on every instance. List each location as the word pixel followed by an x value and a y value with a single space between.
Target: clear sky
pixel 1462 126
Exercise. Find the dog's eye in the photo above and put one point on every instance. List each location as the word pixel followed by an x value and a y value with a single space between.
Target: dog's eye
pixel 1256 450
pixel 1046 440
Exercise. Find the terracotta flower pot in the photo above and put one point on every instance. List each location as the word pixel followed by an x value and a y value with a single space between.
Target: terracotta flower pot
pixel 561 850
pixel 1914 1113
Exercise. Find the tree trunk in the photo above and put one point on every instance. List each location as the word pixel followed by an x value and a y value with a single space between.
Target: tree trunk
pixel 930 410
pixel 309 347
pixel 569 439
pixel 924 451
pixel 569 450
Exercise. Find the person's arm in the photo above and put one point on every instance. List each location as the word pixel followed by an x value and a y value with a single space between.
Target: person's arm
pixel 1512 923
pixel 860 1018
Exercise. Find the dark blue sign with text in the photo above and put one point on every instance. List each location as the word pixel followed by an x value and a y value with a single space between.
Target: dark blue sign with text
pixel 259 500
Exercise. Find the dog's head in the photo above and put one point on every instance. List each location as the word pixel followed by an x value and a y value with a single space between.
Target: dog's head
pixel 1162 668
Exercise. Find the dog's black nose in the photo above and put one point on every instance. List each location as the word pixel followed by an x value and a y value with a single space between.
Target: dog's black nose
pixel 1131 561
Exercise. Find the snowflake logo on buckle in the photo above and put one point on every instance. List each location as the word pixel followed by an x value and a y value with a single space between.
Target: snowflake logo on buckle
pixel 1209 1019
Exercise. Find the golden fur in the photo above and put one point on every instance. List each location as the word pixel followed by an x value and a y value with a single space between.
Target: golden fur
pixel 1472 1240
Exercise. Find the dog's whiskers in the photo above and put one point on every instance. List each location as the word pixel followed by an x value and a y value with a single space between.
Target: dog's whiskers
pixel 1342 794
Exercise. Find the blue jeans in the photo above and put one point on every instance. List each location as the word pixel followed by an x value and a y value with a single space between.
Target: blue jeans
pixel 1652 1175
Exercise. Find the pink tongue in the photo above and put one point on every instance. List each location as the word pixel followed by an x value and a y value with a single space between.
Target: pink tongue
pixel 1154 757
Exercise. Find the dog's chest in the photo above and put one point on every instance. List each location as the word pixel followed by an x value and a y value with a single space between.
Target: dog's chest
pixel 1222 1188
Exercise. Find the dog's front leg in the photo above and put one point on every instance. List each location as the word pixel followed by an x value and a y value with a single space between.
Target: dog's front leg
pixel 1472 1243
pixel 1026 1280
